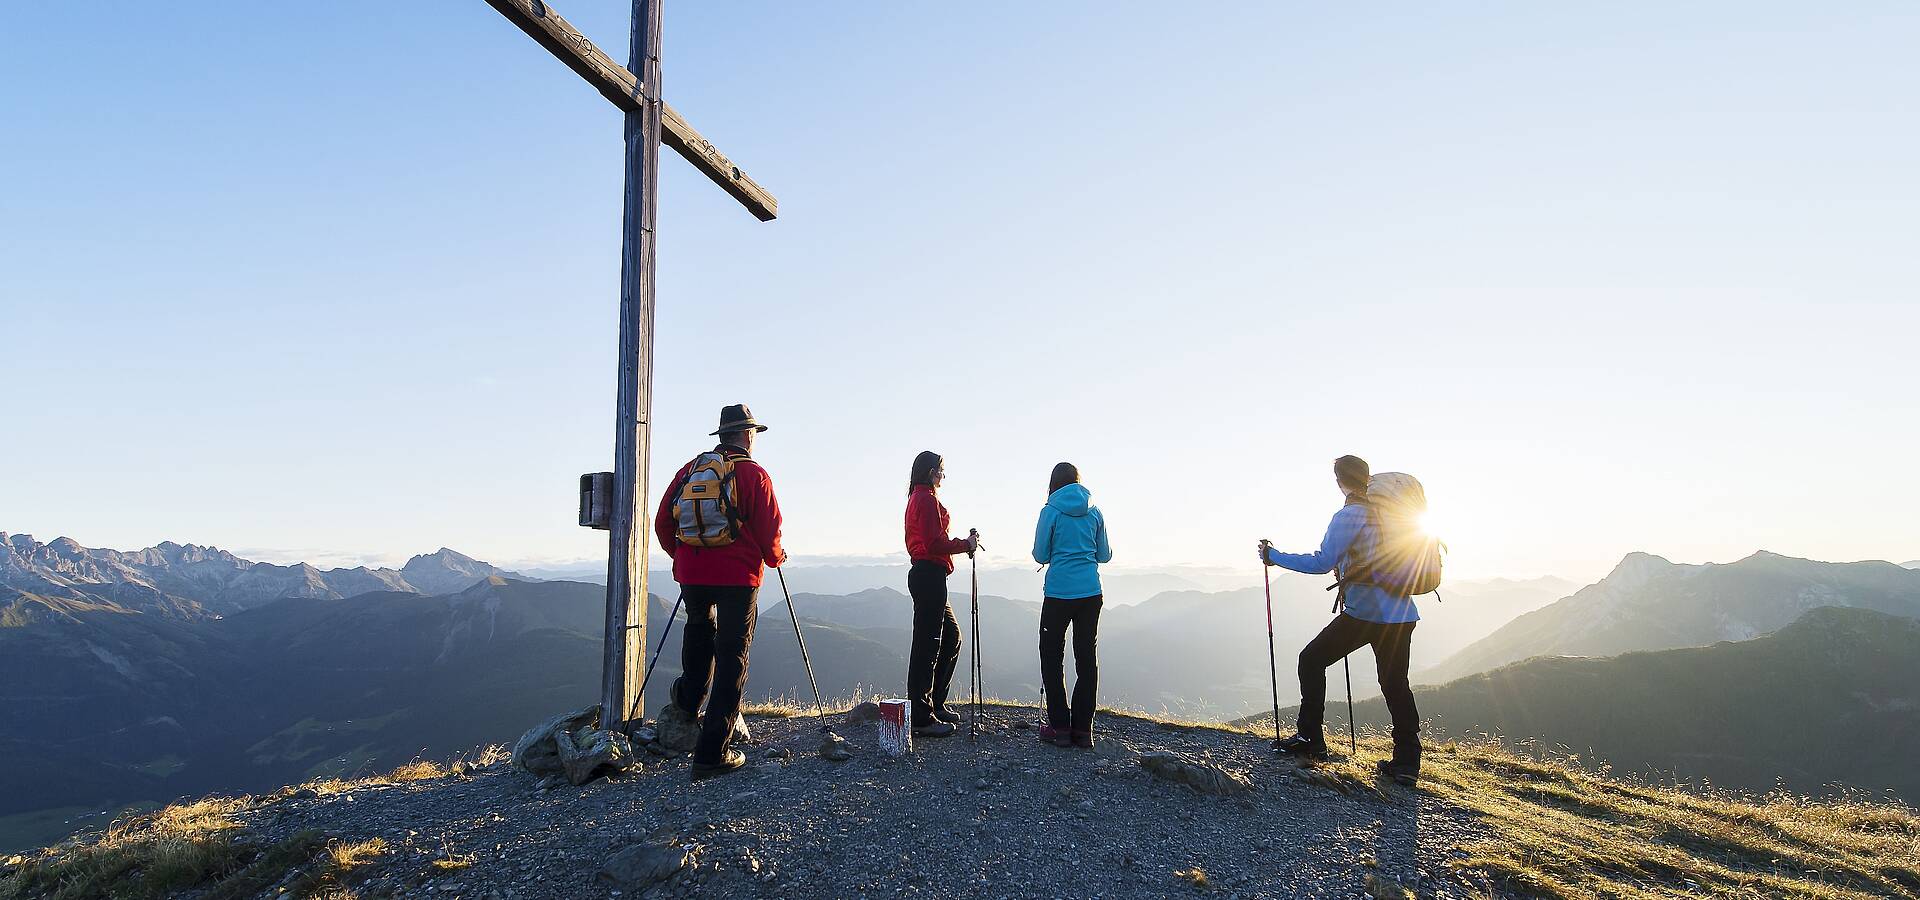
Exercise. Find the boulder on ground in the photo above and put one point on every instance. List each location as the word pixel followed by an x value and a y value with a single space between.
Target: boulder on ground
pixel 676 731
pixel 1202 777
pixel 835 747
pixel 572 746
pixel 588 751
pixel 536 751
pixel 864 714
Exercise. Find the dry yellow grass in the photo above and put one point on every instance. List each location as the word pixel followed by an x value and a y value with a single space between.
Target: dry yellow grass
pixel 1560 831
pixel 186 844
pixel 418 770
pixel 1195 876
pixel 450 861
pixel 347 854
pixel 485 756
pixel 777 709
pixel 150 855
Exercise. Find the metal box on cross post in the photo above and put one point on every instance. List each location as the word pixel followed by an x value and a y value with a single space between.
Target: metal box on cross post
pixel 596 500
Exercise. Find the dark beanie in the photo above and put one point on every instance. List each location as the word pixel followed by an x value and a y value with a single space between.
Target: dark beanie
pixel 1352 473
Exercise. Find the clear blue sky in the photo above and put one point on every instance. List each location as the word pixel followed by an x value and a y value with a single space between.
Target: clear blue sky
pixel 339 280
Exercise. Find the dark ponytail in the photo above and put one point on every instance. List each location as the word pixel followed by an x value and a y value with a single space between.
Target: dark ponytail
pixel 924 465
pixel 1063 474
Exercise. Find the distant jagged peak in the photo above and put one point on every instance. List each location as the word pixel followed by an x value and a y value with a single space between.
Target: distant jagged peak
pixel 448 571
pixel 1637 568
pixel 1767 560
pixel 1768 557
pixel 444 556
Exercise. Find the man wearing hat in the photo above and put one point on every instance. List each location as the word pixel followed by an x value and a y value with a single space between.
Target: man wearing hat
pixel 719 586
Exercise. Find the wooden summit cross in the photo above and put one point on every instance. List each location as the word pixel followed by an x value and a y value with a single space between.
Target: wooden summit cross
pixel 636 90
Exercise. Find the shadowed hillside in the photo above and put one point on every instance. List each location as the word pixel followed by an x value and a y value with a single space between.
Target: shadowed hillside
pixel 1832 698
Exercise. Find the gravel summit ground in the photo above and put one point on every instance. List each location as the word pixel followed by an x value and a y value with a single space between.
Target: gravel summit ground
pixel 1003 817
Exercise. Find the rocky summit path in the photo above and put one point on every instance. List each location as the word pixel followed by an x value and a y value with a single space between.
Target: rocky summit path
pixel 1004 816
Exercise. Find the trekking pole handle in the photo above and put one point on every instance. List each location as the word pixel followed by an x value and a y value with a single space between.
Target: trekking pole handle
pixel 1266 546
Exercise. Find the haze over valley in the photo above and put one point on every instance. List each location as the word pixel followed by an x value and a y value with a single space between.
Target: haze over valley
pixel 135 677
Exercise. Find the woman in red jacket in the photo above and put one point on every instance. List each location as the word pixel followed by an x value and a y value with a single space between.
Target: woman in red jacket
pixel 936 634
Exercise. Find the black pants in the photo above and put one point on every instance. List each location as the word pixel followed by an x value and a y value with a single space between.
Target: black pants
pixel 936 640
pixel 1390 643
pixel 1084 617
pixel 713 654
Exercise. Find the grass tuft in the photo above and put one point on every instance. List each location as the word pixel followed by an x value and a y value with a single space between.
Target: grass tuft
pixel 1380 887
pixel 345 855
pixel 1195 876
pixel 776 709
pixel 418 770
pixel 450 861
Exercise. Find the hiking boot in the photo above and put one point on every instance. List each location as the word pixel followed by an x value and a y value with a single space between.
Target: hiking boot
pixel 676 731
pixel 946 714
pixel 935 728
pixel 1405 774
pixel 733 759
pixel 1083 739
pixel 1301 745
pixel 1059 737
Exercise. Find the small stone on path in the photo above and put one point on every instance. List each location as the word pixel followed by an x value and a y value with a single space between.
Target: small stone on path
pixel 643 865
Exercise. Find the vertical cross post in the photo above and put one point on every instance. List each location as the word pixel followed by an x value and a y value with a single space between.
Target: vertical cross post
pixel 630 528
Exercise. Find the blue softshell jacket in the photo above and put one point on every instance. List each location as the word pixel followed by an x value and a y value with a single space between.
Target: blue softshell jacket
pixel 1071 541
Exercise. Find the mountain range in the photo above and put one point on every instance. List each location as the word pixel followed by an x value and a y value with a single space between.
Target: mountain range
pixel 191 581
pixel 180 669
pixel 1648 603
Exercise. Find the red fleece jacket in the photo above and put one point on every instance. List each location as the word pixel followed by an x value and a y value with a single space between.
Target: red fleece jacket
pixel 927 524
pixel 740 562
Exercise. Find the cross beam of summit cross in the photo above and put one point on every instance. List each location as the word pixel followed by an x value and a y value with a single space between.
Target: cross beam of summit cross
pixel 635 89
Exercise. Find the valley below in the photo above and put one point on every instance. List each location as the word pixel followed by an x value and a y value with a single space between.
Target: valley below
pixel 122 689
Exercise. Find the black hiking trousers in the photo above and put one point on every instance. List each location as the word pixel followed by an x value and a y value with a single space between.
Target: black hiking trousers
pixel 713 655
pixel 936 640
pixel 1391 643
pixel 1083 615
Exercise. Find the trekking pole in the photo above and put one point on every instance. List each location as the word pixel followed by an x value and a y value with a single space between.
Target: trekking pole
pixel 979 676
pixel 1353 739
pixel 819 710
pixel 1273 668
pixel 641 694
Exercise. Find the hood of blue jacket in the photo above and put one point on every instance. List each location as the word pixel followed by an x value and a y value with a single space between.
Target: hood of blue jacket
pixel 1070 500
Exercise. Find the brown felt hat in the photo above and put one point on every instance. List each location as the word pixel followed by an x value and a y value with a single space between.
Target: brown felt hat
pixel 737 418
